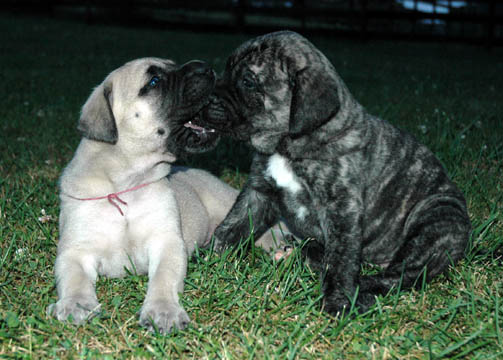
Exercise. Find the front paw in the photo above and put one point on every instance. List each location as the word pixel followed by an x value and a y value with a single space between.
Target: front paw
pixel 337 306
pixel 163 316
pixel 225 238
pixel 341 305
pixel 219 245
pixel 74 309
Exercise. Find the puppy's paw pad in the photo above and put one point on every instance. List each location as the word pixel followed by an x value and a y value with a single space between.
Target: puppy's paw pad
pixel 75 310
pixel 283 253
pixel 163 316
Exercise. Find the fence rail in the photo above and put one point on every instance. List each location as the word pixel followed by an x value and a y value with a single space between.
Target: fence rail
pixel 478 21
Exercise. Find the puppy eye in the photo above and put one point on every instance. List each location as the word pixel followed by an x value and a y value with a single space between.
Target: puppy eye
pixel 248 83
pixel 154 81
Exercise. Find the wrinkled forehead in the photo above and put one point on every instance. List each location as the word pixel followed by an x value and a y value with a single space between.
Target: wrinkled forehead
pixel 258 60
pixel 280 52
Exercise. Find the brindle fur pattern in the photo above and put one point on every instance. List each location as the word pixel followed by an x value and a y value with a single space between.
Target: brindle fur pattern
pixel 363 189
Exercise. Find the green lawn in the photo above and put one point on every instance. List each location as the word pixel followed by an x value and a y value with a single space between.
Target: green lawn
pixel 243 307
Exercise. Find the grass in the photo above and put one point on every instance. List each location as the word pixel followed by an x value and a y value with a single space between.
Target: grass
pixel 246 306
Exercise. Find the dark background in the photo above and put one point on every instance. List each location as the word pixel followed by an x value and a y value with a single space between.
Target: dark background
pixel 479 21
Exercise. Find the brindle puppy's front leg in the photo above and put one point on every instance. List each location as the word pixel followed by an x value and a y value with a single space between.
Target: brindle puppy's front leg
pixel 342 260
pixel 236 225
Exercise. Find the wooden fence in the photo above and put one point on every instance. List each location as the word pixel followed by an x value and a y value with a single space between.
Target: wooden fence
pixel 477 21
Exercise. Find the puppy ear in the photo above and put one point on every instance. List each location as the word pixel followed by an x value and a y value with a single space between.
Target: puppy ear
pixel 314 101
pixel 97 121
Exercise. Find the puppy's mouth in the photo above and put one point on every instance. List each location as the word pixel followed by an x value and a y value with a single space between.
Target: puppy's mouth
pixel 198 129
pixel 194 137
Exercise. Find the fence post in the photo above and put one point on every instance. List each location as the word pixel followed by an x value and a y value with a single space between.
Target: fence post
pixel 364 19
pixel 89 11
pixel 239 15
pixel 490 24
pixel 301 9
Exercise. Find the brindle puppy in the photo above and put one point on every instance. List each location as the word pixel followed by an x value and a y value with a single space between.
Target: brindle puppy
pixel 365 190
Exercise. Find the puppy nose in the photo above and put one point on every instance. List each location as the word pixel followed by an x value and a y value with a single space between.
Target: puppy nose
pixel 196 67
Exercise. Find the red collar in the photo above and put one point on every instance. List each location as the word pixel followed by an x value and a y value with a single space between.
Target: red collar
pixel 114 196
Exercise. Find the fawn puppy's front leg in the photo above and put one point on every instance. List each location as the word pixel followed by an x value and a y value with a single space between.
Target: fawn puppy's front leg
pixel 166 272
pixel 75 279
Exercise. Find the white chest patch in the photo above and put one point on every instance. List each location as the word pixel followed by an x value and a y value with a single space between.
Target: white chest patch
pixel 279 169
pixel 301 212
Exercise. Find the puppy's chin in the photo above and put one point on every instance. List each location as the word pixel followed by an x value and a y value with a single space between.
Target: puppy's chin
pixel 200 142
pixel 192 137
